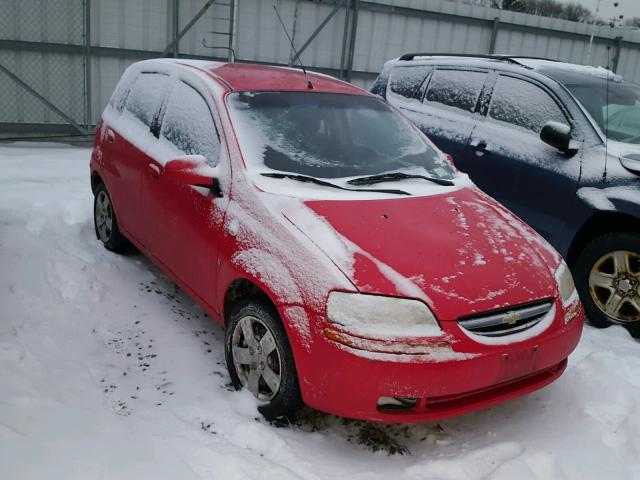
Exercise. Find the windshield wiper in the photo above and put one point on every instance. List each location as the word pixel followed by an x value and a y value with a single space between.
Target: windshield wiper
pixel 317 181
pixel 389 177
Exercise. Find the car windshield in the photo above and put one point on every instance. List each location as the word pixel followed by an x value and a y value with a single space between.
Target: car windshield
pixel 330 136
pixel 615 108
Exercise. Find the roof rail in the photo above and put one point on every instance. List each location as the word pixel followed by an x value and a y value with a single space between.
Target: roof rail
pixel 506 58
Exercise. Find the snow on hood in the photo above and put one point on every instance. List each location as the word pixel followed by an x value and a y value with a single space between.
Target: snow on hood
pixel 460 253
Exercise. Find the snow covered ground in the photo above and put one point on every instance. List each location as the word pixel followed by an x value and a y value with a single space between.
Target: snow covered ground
pixel 108 371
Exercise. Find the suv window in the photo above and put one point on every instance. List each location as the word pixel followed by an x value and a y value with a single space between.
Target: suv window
pixel 456 88
pixel 524 104
pixel 188 124
pixel 145 96
pixel 406 80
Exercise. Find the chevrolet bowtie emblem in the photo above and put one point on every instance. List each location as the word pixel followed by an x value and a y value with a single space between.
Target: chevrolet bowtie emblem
pixel 511 318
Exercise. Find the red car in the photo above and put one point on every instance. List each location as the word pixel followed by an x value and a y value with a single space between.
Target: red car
pixel 353 268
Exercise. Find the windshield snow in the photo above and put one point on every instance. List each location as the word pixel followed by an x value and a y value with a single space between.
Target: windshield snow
pixel 615 108
pixel 330 136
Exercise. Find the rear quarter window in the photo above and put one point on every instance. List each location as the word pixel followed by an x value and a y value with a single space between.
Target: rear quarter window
pixel 405 81
pixel 145 96
pixel 121 92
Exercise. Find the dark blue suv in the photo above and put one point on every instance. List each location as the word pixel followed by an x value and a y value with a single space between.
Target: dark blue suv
pixel 557 143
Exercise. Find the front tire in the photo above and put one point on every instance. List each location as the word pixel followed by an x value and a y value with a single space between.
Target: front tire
pixel 105 223
pixel 608 280
pixel 259 358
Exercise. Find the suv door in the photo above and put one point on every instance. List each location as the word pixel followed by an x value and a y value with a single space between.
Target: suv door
pixel 185 221
pixel 509 161
pixel 128 133
pixel 444 106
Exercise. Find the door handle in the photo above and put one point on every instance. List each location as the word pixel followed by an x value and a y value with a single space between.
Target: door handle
pixel 111 137
pixel 480 148
pixel 154 170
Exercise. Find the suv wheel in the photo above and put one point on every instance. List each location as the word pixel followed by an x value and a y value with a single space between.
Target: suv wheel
pixel 259 358
pixel 608 280
pixel 105 223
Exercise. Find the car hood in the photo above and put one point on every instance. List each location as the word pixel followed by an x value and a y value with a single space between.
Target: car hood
pixel 459 252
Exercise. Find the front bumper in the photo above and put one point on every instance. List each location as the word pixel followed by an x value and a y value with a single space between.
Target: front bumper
pixel 347 382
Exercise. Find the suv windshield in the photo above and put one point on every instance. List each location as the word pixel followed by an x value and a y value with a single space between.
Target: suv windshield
pixel 615 108
pixel 330 135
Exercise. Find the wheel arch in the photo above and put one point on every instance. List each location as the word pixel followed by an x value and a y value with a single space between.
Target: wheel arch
pixel 599 224
pixel 242 288
pixel 96 180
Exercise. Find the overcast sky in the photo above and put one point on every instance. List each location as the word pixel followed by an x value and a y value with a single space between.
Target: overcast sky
pixel 628 8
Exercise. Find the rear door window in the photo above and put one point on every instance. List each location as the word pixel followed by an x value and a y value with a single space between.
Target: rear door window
pixel 188 125
pixel 146 95
pixel 405 81
pixel 456 88
pixel 523 104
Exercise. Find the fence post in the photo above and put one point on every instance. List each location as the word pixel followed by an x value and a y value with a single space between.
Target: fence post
pixel 176 27
pixel 352 40
pixel 616 59
pixel 88 114
pixel 232 32
pixel 345 36
pixel 494 35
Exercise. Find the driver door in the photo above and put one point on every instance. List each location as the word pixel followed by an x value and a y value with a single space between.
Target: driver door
pixel 186 220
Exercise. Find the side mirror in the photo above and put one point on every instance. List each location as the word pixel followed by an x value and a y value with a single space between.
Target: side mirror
pixel 558 135
pixel 193 170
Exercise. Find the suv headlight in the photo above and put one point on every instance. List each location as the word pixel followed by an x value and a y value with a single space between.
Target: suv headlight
pixel 378 316
pixel 566 287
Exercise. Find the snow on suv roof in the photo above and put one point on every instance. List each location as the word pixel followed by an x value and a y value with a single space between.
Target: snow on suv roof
pixel 253 77
pixel 548 66
pixel 562 72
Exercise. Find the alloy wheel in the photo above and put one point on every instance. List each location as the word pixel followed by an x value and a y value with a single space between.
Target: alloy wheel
pixel 256 358
pixel 614 284
pixel 104 216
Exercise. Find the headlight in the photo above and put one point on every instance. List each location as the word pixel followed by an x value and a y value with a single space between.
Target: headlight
pixel 378 316
pixel 566 286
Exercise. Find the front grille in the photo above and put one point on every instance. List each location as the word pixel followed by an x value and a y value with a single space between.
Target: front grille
pixel 506 322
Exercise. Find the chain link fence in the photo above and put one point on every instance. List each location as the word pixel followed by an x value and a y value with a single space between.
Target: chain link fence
pixel 28 28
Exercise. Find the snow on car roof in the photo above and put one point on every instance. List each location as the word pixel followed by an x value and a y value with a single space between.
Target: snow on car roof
pixel 253 77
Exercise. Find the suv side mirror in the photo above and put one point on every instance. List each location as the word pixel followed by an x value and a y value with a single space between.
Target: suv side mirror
pixel 193 170
pixel 558 135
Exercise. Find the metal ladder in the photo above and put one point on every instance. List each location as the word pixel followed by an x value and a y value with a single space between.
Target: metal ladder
pixel 221 37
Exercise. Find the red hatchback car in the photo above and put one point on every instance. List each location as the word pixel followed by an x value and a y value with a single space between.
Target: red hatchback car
pixel 353 268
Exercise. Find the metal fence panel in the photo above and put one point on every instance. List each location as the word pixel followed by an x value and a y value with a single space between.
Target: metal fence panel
pixel 43 42
pixel 57 21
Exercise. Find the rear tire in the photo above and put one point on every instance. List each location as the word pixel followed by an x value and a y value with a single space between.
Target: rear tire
pixel 607 275
pixel 259 358
pixel 105 222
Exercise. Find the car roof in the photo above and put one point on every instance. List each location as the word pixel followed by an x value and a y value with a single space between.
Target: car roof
pixel 562 72
pixel 254 77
